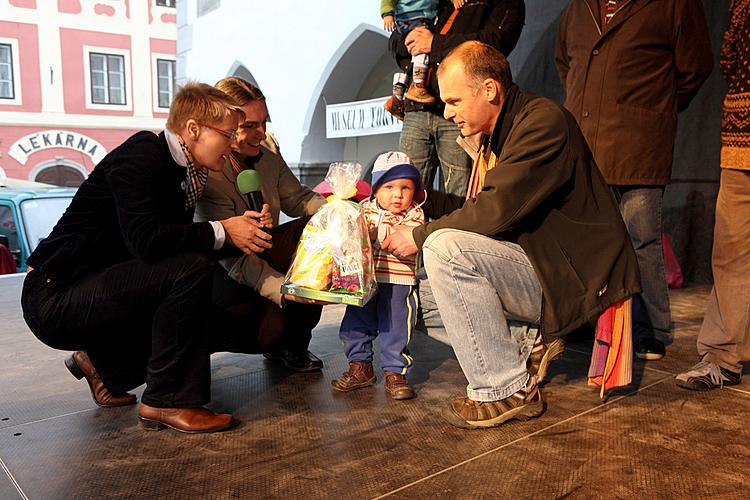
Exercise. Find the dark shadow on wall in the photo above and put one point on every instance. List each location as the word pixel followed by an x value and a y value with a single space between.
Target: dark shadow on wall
pixel 537 72
pixel 690 201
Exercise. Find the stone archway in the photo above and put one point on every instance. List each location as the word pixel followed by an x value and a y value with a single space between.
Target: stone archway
pixel 360 69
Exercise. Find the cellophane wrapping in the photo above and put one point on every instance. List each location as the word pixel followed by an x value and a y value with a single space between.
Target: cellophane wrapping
pixel 334 252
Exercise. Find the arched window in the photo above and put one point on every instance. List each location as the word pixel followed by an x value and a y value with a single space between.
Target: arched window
pixel 59 172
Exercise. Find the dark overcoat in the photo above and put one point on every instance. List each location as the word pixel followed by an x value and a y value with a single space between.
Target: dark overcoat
pixel 626 83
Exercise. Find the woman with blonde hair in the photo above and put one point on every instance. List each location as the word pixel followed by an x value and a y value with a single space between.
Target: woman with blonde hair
pixel 264 321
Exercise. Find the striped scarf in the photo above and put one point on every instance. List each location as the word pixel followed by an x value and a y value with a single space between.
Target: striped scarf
pixel 196 178
pixel 482 165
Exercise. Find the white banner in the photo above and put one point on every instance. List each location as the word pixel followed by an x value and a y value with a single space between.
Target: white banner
pixel 32 143
pixel 354 119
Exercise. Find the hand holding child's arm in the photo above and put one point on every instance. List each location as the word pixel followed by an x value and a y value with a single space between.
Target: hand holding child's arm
pixel 389 23
pixel 457 4
pixel 401 242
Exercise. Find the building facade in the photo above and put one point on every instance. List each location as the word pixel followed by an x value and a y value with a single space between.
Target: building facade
pixel 77 77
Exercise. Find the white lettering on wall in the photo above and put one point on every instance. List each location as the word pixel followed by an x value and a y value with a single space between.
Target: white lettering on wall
pixel 32 143
pixel 354 119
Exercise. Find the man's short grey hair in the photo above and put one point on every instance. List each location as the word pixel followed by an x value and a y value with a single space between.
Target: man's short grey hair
pixel 480 61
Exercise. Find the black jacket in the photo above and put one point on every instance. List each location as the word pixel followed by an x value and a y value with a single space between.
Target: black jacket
pixel 132 206
pixel 495 22
pixel 547 195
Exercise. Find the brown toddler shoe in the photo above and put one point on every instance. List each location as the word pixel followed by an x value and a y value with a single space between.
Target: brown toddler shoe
pixel 395 106
pixel 397 387
pixel 360 374
pixel 418 93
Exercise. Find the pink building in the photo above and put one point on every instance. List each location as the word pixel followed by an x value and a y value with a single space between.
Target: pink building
pixel 77 77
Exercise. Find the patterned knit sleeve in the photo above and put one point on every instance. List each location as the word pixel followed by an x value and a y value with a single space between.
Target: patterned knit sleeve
pixel 728 59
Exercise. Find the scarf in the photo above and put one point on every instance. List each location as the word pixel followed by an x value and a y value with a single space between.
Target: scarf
pixel 196 178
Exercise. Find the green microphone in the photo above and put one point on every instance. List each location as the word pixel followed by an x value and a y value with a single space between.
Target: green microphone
pixel 248 183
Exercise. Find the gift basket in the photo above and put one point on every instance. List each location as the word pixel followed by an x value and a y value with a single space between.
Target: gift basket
pixel 333 262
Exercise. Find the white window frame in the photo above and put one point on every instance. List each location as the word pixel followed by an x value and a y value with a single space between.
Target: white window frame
pixel 16 69
pixel 155 57
pixel 129 94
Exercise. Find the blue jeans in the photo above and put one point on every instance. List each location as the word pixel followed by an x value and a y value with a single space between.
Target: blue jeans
pixel 490 301
pixel 640 207
pixel 405 26
pixel 426 136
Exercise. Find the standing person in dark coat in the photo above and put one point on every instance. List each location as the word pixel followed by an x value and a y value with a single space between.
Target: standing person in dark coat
pixel 537 248
pixel 724 338
pixel 628 67
pixel 124 279
pixel 426 136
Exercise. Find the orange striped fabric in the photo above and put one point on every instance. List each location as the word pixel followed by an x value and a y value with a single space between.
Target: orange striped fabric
pixel 486 161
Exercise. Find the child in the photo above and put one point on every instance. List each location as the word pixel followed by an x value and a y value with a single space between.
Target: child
pixel 405 15
pixel 391 313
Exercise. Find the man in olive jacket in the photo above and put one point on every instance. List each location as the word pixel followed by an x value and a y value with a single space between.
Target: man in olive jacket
pixel 540 244
pixel 628 67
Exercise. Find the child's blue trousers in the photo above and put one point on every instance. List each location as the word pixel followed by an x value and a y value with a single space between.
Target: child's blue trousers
pixel 391 315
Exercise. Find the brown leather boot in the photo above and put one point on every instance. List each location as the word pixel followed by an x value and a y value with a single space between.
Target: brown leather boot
pixel 418 93
pixel 395 106
pixel 80 366
pixel 360 374
pixel 397 387
pixel 190 420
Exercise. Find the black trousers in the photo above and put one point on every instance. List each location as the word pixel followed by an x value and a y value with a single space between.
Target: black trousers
pixel 138 323
pixel 244 321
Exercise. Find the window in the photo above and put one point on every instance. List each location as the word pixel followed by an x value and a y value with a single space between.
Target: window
pixel 107 78
pixel 6 72
pixel 165 3
pixel 165 74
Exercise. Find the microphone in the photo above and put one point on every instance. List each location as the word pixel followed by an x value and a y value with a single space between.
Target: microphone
pixel 248 183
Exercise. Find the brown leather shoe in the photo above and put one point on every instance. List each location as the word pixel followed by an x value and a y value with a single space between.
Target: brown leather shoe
pixel 418 93
pixel 359 374
pixel 80 366
pixel 397 387
pixel 190 420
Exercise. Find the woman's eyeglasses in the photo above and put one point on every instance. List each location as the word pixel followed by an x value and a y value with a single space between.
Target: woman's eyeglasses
pixel 231 135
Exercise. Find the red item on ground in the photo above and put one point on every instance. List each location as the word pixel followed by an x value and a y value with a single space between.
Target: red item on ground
pixel 672 269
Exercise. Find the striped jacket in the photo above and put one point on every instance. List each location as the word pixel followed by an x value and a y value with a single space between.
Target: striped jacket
pixel 388 267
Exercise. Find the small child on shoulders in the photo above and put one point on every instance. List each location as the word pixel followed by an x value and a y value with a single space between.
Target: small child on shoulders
pixel 404 16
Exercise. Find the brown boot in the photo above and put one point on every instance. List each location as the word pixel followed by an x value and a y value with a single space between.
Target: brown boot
pixel 418 93
pixel 190 420
pixel 397 387
pixel 80 366
pixel 359 374
pixel 395 106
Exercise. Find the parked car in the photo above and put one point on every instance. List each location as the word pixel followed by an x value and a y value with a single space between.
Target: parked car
pixel 28 212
